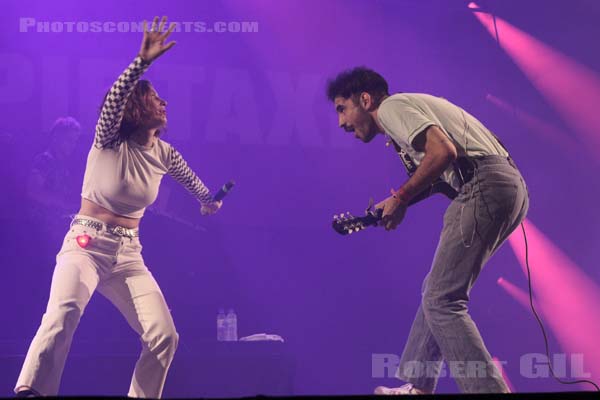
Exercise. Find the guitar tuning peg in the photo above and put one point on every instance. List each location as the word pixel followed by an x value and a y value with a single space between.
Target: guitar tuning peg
pixel 371 203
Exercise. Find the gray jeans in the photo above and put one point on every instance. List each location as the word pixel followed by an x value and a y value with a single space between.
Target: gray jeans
pixel 477 222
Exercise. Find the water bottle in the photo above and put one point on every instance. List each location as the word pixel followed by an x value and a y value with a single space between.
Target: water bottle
pixel 221 326
pixel 231 326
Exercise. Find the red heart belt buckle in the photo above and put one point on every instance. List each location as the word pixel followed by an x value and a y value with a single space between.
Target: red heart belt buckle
pixel 83 240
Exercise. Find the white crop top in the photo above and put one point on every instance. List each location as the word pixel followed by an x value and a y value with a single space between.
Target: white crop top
pixel 124 176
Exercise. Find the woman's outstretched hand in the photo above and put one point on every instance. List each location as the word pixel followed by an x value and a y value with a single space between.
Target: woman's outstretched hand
pixel 153 43
pixel 211 208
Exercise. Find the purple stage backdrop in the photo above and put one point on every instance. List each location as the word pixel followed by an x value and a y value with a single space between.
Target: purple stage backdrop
pixel 245 91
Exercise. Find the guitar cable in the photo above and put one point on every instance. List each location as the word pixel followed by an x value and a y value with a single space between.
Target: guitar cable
pixel 539 320
pixel 542 325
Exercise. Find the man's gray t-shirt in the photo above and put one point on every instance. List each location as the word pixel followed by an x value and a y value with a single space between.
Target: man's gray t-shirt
pixel 403 116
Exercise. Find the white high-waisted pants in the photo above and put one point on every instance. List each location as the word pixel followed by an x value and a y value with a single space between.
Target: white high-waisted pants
pixel 114 266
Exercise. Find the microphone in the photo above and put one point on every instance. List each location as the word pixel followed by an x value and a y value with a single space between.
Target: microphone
pixel 223 191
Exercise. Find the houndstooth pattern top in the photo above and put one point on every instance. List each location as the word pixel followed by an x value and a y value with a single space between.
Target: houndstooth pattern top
pixel 122 175
pixel 113 109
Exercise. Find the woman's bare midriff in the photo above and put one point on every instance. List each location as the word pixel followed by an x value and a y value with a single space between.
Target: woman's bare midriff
pixel 93 210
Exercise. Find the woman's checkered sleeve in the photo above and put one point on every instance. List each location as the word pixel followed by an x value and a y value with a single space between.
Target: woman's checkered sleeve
pixel 182 173
pixel 107 128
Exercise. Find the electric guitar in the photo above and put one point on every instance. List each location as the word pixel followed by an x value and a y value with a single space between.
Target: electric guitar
pixel 345 224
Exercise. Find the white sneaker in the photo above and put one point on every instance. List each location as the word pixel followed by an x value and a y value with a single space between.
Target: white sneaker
pixel 404 389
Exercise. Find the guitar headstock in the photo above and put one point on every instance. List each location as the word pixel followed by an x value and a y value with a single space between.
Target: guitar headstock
pixel 346 223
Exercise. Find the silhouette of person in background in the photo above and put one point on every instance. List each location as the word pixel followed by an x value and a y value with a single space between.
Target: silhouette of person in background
pixel 52 184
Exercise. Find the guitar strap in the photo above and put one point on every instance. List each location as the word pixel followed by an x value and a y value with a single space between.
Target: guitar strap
pixel 406 159
pixel 439 185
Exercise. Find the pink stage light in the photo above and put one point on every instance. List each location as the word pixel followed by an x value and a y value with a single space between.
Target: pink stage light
pixel 572 88
pixel 518 294
pixel 569 299
pixel 564 141
pixel 504 375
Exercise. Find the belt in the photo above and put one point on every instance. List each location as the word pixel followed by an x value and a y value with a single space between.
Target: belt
pixel 465 167
pixel 112 229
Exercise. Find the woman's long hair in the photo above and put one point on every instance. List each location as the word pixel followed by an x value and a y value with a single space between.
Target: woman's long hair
pixel 137 110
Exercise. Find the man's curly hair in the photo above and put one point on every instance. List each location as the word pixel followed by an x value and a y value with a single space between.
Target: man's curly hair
pixel 351 83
